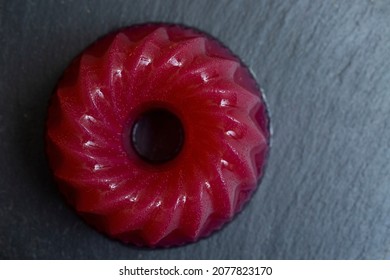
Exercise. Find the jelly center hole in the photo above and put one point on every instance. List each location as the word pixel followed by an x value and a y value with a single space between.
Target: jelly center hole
pixel 157 136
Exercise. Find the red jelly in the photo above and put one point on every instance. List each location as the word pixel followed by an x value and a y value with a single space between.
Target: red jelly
pixel 157 135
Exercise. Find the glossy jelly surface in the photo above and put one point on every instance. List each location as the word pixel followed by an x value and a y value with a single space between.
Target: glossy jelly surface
pixel 93 115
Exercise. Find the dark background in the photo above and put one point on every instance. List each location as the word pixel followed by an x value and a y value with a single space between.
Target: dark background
pixel 325 68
